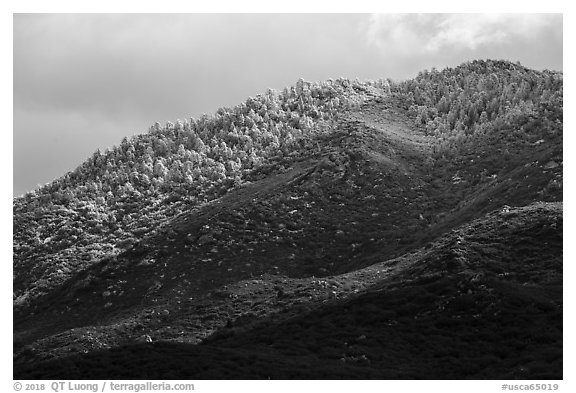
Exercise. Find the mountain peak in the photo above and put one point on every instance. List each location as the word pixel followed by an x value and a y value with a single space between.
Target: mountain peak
pixel 286 205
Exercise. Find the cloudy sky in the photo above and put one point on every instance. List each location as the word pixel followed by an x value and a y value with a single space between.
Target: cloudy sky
pixel 83 81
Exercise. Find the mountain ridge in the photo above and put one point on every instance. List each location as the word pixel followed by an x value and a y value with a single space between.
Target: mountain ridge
pixel 294 193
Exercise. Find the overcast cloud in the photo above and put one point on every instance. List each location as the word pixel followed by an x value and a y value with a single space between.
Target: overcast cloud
pixel 82 82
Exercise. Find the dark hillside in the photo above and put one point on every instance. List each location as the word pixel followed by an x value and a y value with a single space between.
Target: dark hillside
pixel 256 231
pixel 483 302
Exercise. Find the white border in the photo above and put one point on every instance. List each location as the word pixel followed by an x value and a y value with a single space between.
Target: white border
pixel 556 6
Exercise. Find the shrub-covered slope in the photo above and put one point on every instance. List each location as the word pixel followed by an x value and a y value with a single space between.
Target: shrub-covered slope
pixel 485 301
pixel 269 209
pixel 115 196
pixel 111 199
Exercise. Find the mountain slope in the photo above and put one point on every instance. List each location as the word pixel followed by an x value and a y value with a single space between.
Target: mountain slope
pixel 482 302
pixel 346 196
